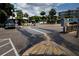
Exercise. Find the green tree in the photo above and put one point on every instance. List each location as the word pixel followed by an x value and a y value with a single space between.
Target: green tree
pixel 19 14
pixel 6 10
pixel 7 7
pixel 26 15
pixel 20 17
pixel 52 12
pixel 43 13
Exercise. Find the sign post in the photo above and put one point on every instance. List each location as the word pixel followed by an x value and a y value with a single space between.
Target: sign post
pixel 77 35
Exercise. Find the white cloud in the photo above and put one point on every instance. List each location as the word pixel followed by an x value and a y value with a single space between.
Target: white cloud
pixel 35 8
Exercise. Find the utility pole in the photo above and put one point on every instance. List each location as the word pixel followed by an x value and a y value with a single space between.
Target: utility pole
pixel 77 35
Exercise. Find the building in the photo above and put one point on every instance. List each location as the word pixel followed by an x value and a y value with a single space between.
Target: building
pixel 69 19
pixel 69 14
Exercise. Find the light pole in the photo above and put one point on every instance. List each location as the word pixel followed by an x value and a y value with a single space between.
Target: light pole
pixel 77 35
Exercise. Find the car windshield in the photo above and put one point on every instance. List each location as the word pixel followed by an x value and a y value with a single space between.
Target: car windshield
pixel 9 21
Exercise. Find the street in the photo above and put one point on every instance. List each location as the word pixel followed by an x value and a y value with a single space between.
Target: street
pixel 26 37
pixel 66 40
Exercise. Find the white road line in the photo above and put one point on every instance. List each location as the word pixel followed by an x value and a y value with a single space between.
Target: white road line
pixel 14 47
pixel 7 52
pixel 36 30
pixel 45 34
pixel 4 45
pixel 3 40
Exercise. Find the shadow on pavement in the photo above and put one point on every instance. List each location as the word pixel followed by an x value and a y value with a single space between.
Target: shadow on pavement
pixel 33 39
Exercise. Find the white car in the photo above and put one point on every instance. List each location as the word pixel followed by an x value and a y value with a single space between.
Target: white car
pixel 41 22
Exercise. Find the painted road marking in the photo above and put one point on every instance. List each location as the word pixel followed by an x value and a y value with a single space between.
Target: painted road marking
pixel 4 45
pixel 45 34
pixel 3 40
pixel 36 30
pixel 7 52
pixel 13 47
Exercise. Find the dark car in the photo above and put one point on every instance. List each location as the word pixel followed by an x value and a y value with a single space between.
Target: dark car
pixel 9 24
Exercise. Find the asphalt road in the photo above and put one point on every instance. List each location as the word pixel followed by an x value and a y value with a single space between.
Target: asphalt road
pixel 25 37
pixel 19 41
pixel 7 48
pixel 67 40
pixel 22 39
pixel 46 37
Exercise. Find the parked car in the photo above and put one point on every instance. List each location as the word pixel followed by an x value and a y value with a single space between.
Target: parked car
pixel 40 22
pixel 9 24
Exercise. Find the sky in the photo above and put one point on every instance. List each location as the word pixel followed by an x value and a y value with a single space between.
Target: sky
pixel 34 9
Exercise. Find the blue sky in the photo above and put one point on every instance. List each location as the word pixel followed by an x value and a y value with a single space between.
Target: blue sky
pixel 35 8
pixel 68 6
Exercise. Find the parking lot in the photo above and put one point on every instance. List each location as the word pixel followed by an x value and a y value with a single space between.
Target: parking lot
pixel 11 40
pixel 7 48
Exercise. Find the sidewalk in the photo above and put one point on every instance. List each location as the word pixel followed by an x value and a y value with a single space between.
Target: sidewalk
pixel 71 37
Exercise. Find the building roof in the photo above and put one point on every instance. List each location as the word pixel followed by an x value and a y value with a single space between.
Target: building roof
pixel 77 10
